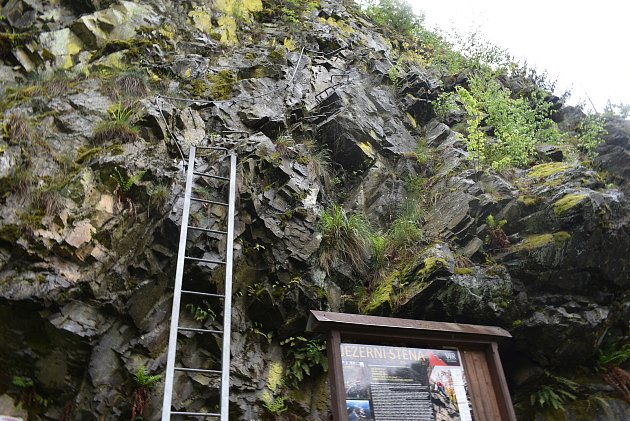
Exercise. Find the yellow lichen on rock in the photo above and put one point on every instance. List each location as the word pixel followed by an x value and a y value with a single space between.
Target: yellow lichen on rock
pixel 368 149
pixel 274 379
pixel 232 11
pixel 60 46
pixel 201 20
pixel 412 120
pixel 290 44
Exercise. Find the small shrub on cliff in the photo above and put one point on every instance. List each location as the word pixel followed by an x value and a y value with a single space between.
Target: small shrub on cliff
pixel 158 195
pixel 590 132
pixel 404 232
pixel 344 237
pixel 289 11
pixel 496 236
pixel 395 14
pixel 122 190
pixel 621 110
pixel 304 355
pixel 444 105
pixel 609 361
pixel 517 124
pixel 29 398
pixel 615 354
pixel 319 165
pixel 48 199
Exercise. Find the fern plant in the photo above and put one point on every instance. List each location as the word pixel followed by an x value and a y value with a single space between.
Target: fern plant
pixel 615 354
pixel 276 406
pixel 554 393
pixel 124 184
pixel 122 189
pixel 143 379
pixel 144 383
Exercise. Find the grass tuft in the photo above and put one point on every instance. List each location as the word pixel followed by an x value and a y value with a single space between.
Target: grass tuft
pixel 118 131
pixel 132 84
pixel 118 128
pixel 17 129
pixel 344 238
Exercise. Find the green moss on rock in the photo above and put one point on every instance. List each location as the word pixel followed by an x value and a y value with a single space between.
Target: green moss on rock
pixel 381 295
pixel 431 264
pixel 198 87
pixel 528 201
pixel 545 170
pixel 561 236
pixel 222 84
pixel 464 271
pixel 540 240
pixel 568 202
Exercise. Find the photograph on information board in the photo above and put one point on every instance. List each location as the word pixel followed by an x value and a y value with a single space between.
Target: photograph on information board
pixel 391 383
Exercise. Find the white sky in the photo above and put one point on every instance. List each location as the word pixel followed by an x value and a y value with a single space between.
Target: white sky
pixel 583 44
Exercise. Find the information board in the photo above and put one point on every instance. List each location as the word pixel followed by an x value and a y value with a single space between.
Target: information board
pixel 390 383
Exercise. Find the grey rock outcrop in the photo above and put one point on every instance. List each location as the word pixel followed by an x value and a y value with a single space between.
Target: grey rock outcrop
pixel 91 191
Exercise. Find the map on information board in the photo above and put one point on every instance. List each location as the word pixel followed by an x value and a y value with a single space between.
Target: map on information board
pixel 391 383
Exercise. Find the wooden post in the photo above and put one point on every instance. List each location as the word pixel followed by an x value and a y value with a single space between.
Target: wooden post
pixel 335 377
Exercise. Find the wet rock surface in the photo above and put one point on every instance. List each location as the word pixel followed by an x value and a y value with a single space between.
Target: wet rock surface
pixel 92 204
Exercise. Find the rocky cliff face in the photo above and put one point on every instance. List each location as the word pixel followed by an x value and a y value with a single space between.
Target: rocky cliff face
pixel 97 99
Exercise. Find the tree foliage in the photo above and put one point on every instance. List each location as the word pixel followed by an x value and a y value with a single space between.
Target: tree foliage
pixel 395 14
pixel 517 124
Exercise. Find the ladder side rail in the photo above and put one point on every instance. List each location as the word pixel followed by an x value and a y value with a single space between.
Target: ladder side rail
pixel 227 310
pixel 179 274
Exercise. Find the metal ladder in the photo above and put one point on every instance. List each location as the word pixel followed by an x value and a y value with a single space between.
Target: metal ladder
pixel 182 258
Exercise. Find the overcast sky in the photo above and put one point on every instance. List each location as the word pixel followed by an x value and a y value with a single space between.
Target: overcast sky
pixel 583 44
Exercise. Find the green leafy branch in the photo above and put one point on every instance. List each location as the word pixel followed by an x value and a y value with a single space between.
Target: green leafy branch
pixel 304 355
pixel 200 314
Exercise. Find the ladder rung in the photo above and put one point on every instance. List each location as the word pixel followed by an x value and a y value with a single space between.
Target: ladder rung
pixel 218 177
pixel 205 294
pixel 212 202
pixel 198 370
pixel 198 414
pixel 208 230
pixel 194 329
pixel 216 262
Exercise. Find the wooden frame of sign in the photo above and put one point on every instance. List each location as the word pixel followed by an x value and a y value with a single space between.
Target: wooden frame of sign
pixel 413 368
